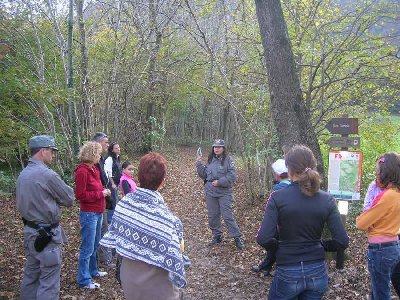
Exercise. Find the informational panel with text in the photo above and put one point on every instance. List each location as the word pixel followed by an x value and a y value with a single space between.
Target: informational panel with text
pixel 344 174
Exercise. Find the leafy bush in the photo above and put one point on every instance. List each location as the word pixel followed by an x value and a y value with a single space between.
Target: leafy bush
pixel 7 184
pixel 377 137
pixel 154 139
pixel 256 160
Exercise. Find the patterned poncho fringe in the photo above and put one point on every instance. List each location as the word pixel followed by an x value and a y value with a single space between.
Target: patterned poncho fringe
pixel 143 228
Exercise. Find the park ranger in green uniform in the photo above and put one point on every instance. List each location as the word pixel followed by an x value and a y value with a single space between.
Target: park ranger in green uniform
pixel 40 193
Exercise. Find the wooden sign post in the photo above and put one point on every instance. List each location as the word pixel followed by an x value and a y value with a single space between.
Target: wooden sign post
pixel 344 142
pixel 343 126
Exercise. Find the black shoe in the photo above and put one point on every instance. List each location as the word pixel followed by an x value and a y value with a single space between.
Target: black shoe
pixel 239 243
pixel 216 240
pixel 256 269
pixel 266 272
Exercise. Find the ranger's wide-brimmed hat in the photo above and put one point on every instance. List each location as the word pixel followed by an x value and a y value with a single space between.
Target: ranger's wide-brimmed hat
pixel 218 143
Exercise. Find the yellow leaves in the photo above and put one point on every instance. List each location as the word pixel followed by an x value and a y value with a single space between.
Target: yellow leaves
pixel 105 42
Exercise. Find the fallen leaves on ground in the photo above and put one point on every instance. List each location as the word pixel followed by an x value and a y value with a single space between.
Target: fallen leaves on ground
pixel 220 272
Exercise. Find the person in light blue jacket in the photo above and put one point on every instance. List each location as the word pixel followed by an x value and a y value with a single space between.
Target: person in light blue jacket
pixel 219 174
pixel 281 181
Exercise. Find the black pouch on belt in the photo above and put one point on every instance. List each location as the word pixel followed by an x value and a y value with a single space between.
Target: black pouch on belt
pixel 43 239
pixel 109 202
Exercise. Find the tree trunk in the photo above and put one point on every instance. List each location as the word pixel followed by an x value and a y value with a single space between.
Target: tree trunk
pixel 86 105
pixel 70 84
pixel 155 44
pixel 288 110
pixel 61 114
pixel 40 73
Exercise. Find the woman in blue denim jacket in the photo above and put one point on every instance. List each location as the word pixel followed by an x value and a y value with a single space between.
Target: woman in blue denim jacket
pixel 300 212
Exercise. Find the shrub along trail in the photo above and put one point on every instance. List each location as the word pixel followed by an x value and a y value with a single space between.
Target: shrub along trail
pixel 221 272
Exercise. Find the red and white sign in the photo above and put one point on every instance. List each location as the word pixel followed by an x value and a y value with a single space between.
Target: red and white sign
pixel 344 174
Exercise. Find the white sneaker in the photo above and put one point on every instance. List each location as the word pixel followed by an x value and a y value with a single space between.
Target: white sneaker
pixel 91 286
pixel 100 274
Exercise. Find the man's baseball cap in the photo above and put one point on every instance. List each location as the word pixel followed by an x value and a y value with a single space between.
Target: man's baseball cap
pixel 219 143
pixel 279 166
pixel 42 141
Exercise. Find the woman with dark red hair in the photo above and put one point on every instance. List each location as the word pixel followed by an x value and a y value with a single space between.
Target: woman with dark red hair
pixel 148 237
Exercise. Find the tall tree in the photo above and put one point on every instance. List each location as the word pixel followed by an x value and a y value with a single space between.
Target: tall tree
pixel 288 110
pixel 86 105
pixel 70 82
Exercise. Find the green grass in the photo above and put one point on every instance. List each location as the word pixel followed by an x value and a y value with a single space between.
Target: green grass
pixel 396 127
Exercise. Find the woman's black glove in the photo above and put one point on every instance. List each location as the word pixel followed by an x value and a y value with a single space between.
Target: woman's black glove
pixel 330 245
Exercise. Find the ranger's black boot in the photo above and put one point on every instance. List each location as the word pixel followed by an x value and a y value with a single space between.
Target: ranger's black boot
pixel 216 240
pixel 239 243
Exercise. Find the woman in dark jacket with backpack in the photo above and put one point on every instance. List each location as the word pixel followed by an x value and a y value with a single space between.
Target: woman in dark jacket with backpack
pixel 300 211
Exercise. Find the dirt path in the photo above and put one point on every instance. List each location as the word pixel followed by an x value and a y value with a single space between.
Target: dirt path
pixel 221 272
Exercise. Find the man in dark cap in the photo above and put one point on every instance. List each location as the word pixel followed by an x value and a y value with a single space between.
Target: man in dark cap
pixel 104 255
pixel 40 193
pixel 102 139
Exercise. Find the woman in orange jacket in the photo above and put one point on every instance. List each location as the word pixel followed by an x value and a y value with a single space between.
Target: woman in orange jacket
pixel 382 224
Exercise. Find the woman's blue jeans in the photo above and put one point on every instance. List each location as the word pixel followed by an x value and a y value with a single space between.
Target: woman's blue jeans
pixel 90 237
pixel 382 260
pixel 302 280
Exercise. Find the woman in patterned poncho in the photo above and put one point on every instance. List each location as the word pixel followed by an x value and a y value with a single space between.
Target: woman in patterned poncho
pixel 148 237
